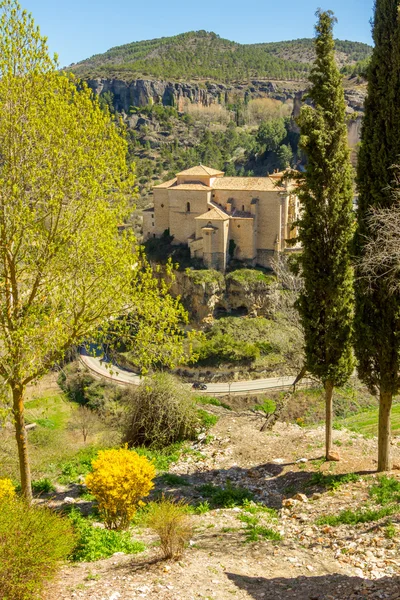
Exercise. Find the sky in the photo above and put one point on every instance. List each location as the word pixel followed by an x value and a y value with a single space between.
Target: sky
pixel 77 29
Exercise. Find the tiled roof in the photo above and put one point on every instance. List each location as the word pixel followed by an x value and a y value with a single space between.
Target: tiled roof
pixel 200 170
pixel 191 186
pixel 214 215
pixel 166 184
pixel 257 184
pixel 241 214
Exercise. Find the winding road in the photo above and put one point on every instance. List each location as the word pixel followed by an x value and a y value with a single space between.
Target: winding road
pixel 101 367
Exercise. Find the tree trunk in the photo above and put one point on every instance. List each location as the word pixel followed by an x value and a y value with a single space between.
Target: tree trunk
pixel 328 385
pixel 384 431
pixel 22 441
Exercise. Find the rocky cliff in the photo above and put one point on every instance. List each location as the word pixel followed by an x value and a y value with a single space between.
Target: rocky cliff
pixel 208 293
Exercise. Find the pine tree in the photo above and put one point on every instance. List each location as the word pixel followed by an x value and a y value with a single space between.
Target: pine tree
pixel 325 226
pixel 377 339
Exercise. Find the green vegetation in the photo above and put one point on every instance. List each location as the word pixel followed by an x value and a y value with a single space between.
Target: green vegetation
pixel 34 542
pixel 385 492
pixel 243 341
pixel 94 543
pixel 366 422
pixel 206 419
pixel 256 528
pixel 227 497
pixel 173 479
pixel 205 276
pixel 212 401
pixel 326 225
pixel 251 277
pixel 332 482
pixel 204 55
pixel 377 323
pixel 42 486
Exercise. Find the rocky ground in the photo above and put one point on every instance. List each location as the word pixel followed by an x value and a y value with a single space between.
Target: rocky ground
pixel 311 562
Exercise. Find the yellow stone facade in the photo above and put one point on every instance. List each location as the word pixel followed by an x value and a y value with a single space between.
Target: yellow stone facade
pixel 249 218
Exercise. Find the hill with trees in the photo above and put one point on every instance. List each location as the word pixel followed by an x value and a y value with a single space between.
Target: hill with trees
pixel 205 55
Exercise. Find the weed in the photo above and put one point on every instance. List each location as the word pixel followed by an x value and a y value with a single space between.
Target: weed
pixel 95 543
pixel 350 517
pixel 162 459
pixel 387 490
pixel 268 533
pixel 227 497
pixel 206 419
pixel 213 401
pixel 173 479
pixel 390 530
pixel 268 406
pixel 332 482
pixel 202 508
pixel 338 443
pixel 43 486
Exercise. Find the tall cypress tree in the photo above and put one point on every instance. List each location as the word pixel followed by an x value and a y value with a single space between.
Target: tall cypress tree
pixel 326 224
pixel 377 339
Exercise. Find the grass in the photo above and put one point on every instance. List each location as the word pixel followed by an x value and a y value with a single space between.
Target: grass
pixel 385 492
pixel 163 458
pixel 227 497
pixel 254 529
pixel 206 419
pixel 332 482
pixel 212 401
pixel 366 422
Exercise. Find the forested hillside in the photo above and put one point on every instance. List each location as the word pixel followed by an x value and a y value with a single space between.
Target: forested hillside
pixel 204 55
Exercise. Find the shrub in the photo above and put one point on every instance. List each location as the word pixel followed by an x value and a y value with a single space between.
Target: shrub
pixel 42 486
pixel 171 522
pixel 7 489
pixel 162 412
pixel 119 480
pixel 94 543
pixel 206 419
pixel 33 542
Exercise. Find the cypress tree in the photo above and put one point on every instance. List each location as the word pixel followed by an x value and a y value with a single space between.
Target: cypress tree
pixel 377 324
pixel 326 224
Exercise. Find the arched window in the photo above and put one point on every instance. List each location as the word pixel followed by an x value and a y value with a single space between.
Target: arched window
pixel 187 206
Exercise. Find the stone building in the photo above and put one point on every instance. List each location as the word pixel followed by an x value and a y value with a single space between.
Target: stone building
pixel 218 217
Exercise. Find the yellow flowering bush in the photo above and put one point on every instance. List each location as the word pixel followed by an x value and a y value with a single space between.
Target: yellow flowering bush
pixel 7 489
pixel 119 480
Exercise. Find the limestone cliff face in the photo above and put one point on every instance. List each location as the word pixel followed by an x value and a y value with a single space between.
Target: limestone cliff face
pixel 208 293
pixel 141 92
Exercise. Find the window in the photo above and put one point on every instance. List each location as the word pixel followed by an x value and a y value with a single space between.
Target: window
pixel 243 207
pixel 187 206
pixel 162 205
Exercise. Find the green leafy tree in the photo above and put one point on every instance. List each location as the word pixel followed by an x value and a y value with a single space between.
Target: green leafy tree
pixel 325 227
pixel 377 340
pixel 271 134
pixel 65 270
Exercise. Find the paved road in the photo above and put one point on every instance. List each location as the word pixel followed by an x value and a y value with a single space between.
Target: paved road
pixel 100 366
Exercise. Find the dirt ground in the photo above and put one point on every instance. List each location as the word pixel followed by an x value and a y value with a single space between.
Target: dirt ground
pixel 312 562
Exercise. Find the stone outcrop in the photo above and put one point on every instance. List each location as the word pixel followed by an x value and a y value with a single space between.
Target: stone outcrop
pixel 142 92
pixel 206 294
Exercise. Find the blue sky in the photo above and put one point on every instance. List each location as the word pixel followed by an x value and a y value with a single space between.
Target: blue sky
pixel 77 29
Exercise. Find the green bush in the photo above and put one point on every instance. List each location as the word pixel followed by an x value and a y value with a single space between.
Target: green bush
pixel 161 411
pixel 42 486
pixel 33 542
pixel 94 543
pixel 81 387
pixel 219 348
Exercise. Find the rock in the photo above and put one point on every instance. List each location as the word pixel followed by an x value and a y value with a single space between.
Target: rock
pixel 334 456
pixel 301 497
pixel 289 502
pixel 115 596
pixel 278 461
pixel 69 500
pixel 302 460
